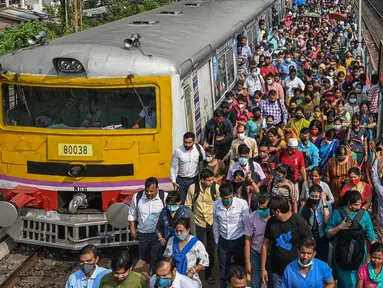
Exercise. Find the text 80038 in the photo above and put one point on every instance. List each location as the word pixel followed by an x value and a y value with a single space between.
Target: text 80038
pixel 84 150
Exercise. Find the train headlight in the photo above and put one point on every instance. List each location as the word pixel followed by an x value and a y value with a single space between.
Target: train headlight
pixel 68 65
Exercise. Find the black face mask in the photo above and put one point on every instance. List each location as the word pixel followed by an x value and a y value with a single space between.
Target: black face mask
pixel 313 202
pixel 298 117
pixel 257 117
pixel 238 184
pixel 272 100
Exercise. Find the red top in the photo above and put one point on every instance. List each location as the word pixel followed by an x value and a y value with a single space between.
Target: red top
pixel 367 192
pixel 296 161
pixel 265 70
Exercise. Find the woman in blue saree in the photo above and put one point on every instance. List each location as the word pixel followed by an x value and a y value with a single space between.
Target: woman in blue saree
pixel 328 147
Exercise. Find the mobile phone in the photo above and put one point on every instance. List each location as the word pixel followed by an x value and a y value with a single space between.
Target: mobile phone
pixel 379 149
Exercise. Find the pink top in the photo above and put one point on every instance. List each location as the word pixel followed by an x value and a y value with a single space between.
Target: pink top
pixel 363 275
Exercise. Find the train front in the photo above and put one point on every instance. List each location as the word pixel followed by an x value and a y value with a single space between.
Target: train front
pixel 81 127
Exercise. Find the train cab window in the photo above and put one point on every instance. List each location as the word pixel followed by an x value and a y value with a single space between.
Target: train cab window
pixel 79 108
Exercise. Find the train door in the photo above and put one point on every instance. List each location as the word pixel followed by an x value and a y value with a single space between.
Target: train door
pixel 189 104
pixel 205 93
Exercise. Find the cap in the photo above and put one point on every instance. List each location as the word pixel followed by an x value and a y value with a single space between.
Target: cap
pixel 292 142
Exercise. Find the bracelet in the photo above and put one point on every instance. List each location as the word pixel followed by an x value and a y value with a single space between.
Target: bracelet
pixel 262 269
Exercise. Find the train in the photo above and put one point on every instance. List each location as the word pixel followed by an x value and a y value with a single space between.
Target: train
pixel 86 118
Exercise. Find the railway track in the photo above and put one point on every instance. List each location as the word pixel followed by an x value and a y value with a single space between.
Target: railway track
pixel 25 267
pixel 373 20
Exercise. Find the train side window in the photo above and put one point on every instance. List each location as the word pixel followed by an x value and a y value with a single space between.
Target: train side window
pixel 230 67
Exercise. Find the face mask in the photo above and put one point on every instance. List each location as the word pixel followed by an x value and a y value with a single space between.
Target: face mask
pixel 341 78
pixel 303 60
pixel 243 161
pixel 269 124
pixel 254 74
pixel 208 159
pixel 288 60
pixel 229 101
pixel 263 213
pixel 305 265
pixel 331 73
pixel 164 282
pixel 313 202
pixel 355 181
pixel 278 178
pixel 308 100
pixel 238 184
pixel 173 208
pixel 241 136
pixel 256 117
pixel 327 141
pixel 357 90
pixel 316 180
pixel 303 138
pixel 292 77
pixel 317 114
pixel 314 132
pixel 269 82
pixel 298 116
pixel 183 236
pixel 315 72
pixel 241 106
pixel 87 268
pixel 227 202
pixel 352 100
pixel 337 127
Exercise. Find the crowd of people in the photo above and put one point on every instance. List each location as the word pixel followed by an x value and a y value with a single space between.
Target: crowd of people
pixel 289 167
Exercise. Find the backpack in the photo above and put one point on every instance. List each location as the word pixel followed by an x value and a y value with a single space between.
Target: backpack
pixel 349 251
pixel 169 231
pixel 356 142
pixel 197 190
pixel 272 194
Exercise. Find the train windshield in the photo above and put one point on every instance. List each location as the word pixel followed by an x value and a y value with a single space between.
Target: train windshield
pixel 79 108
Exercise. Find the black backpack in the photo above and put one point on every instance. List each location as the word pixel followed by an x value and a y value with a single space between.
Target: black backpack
pixel 349 251
pixel 197 190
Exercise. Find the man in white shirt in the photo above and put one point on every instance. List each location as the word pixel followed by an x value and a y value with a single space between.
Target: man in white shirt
pixel 291 83
pixel 90 274
pixel 145 208
pixel 230 214
pixel 166 275
pixel 254 82
pixel 246 51
pixel 185 164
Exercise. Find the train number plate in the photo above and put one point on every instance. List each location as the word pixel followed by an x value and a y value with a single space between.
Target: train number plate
pixel 80 150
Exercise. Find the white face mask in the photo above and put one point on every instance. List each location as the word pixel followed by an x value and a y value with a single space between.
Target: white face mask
pixel 269 82
pixel 305 265
pixel 241 106
pixel 241 136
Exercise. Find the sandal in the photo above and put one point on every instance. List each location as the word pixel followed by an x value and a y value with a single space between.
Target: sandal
pixel 211 280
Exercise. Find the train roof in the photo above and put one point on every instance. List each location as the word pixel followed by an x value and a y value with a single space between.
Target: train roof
pixel 175 41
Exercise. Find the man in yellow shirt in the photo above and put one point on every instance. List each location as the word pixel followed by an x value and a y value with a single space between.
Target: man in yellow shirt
pixel 200 198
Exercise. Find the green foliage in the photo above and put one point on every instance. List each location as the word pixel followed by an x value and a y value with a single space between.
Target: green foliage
pixel 15 37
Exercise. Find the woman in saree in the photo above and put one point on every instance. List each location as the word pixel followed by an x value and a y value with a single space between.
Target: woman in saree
pixel 328 147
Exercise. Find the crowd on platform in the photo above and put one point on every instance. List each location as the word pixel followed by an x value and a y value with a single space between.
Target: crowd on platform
pixel 289 169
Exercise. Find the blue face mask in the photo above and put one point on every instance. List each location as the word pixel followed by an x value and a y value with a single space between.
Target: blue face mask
pixel 173 208
pixel 229 101
pixel 358 90
pixel 263 213
pixel 183 236
pixel 208 159
pixel 254 74
pixel 352 100
pixel 164 282
pixel 243 161
pixel 227 202
pixel 278 178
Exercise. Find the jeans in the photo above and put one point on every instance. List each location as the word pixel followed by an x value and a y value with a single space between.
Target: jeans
pixel 275 280
pixel 255 259
pixel 226 250
pixel 210 245
pixel 322 247
pixel 184 184
pixel 150 249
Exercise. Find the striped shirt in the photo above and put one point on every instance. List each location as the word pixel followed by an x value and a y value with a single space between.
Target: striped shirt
pixel 373 98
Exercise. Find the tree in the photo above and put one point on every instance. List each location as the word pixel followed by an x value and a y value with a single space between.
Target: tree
pixel 15 37
pixel 51 11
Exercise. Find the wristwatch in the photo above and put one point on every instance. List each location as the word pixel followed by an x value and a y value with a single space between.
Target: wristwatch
pixel 325 206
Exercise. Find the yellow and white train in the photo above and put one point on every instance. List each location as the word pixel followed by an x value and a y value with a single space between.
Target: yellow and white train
pixel 70 144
